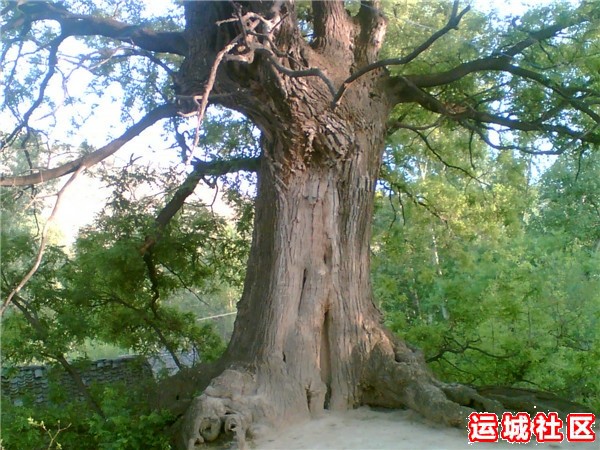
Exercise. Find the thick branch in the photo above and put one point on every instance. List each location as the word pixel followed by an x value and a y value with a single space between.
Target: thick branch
pixel 86 161
pixel 453 21
pixel 369 40
pixel 431 103
pixel 330 22
pixel 488 64
pixel 412 88
pixel 84 25
pixel 201 169
pixel 499 61
pixel 521 125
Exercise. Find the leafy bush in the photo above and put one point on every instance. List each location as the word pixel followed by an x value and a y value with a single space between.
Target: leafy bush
pixel 128 424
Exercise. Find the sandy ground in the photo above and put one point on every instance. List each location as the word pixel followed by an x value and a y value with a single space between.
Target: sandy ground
pixel 394 430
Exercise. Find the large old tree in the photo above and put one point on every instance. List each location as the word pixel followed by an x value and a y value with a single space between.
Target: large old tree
pixel 311 78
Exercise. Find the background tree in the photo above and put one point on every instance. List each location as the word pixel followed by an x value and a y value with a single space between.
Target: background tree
pixel 307 334
pixel 464 268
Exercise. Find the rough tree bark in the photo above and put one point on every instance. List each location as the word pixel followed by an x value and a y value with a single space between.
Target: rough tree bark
pixel 308 335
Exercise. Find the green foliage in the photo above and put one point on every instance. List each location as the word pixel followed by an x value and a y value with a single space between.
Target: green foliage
pixel 127 297
pixel 125 428
pixel 104 292
pixel 570 202
pixel 495 278
pixel 566 61
pixel 127 425
pixel 494 275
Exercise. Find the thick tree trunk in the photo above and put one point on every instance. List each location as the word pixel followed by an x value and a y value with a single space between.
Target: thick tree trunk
pixel 306 318
pixel 308 336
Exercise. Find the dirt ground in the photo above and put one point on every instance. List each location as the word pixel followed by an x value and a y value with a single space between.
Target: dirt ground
pixel 366 429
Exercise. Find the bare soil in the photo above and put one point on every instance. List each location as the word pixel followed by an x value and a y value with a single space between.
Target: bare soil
pixel 366 428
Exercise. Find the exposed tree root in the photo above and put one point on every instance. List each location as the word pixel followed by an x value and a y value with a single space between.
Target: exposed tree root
pixel 238 405
pixel 532 401
pixel 242 402
pixel 405 381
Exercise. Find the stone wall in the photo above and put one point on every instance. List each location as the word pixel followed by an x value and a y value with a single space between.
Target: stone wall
pixel 34 383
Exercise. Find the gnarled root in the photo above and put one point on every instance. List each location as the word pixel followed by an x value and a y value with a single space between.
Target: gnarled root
pixel 402 379
pixel 243 403
pixel 228 405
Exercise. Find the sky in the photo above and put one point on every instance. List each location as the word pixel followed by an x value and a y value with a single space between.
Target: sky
pixel 86 197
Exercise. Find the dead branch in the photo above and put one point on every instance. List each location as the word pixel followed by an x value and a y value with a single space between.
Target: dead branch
pixel 84 25
pixel 202 101
pixel 270 50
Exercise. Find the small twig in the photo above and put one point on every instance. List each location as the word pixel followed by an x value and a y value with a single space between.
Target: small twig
pixel 184 284
pixel 391 200
pixel 445 163
pixel 207 90
pixel 217 316
pixel 418 202
pixel 214 200
pixel 418 130
pixel 52 64
pixel 43 242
